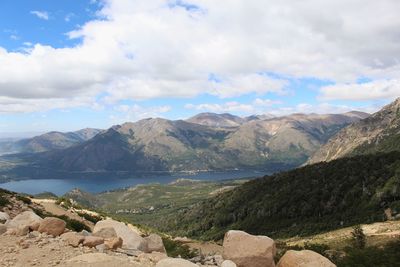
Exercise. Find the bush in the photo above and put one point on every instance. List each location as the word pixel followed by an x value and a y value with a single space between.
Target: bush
pixel 175 249
pixel 74 225
pixel 359 238
pixel 4 201
pixel 24 199
pixel 387 256
pixel 92 218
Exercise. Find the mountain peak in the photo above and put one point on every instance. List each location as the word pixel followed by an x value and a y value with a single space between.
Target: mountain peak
pixel 376 133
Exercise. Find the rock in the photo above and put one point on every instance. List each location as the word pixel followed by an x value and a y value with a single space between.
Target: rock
pixel 92 241
pixel 107 232
pixel 85 233
pixel 131 239
pixel 228 263
pixel 170 262
pixel 73 239
pixel 153 257
pixel 4 217
pixel 248 250
pixel 101 248
pixel 113 243
pixel 302 258
pixel 26 218
pixel 154 243
pixel 98 260
pixel 22 231
pixel 3 229
pixel 52 226
pixel 34 226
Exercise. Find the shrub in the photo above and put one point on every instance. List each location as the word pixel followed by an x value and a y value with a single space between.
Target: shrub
pixel 175 249
pixel 359 238
pixel 4 201
pixel 24 199
pixel 385 256
pixel 92 218
pixel 74 225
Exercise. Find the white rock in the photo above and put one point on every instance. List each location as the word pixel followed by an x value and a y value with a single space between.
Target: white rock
pixel 228 263
pixel 171 262
pixel 4 217
pixel 154 243
pixel 249 250
pixel 131 239
pixel 24 219
pixel 306 258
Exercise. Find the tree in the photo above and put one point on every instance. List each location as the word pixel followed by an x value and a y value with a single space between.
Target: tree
pixel 359 238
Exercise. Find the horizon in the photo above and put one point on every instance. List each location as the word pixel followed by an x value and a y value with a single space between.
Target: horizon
pixel 23 135
pixel 97 63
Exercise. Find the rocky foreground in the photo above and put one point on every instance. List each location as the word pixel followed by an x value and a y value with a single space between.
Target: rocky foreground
pixel 26 239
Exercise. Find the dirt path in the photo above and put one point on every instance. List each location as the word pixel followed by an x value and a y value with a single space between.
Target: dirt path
pixel 376 233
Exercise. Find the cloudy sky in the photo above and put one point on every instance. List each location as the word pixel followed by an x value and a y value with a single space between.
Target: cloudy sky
pixel 66 65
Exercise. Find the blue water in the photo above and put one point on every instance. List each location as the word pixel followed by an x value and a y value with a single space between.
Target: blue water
pixel 96 185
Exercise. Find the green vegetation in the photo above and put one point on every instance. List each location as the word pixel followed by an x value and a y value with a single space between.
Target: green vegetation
pixel 24 199
pixel 359 238
pixel 175 249
pixel 304 201
pixel 92 218
pixel 4 201
pixel 148 205
pixel 72 224
pixel 385 256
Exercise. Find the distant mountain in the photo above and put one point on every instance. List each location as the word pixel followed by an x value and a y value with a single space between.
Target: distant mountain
pixel 217 120
pixel 304 201
pixel 378 133
pixel 164 145
pixel 48 141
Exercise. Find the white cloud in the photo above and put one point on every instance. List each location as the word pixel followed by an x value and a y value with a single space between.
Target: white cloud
pixel 258 106
pixel 379 89
pixel 41 14
pixel 321 108
pixel 149 49
pixel 126 113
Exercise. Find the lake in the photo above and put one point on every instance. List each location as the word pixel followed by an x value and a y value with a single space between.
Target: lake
pixel 101 183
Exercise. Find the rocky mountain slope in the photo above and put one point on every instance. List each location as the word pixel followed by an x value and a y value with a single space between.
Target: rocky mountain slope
pixel 164 145
pixel 378 133
pixel 31 236
pixel 48 141
pixel 225 120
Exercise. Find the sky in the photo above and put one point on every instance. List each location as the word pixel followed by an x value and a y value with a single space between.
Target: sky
pixel 67 65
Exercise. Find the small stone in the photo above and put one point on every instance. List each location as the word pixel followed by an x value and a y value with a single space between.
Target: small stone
pixel 92 241
pixel 228 263
pixel 113 243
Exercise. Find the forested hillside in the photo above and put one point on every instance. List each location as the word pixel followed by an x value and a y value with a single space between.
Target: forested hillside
pixel 307 200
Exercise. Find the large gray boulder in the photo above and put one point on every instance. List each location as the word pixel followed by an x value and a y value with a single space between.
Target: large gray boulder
pixel 154 243
pixel 248 250
pixel 171 262
pixel 131 239
pixel 25 219
pixel 304 258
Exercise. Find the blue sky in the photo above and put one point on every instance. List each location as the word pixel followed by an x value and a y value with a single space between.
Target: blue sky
pixel 66 65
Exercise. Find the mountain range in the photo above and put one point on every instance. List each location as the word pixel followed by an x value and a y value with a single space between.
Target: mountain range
pixel 379 132
pixel 48 141
pixel 204 142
